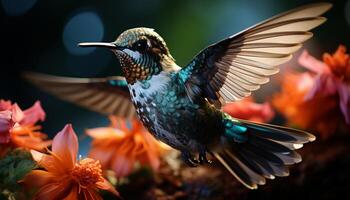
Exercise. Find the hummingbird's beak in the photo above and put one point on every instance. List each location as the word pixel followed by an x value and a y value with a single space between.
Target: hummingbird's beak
pixel 108 45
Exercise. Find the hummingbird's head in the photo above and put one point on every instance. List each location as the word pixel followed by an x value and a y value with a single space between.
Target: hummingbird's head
pixel 141 52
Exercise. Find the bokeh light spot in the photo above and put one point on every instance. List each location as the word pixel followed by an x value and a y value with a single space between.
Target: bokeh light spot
pixel 17 7
pixel 83 27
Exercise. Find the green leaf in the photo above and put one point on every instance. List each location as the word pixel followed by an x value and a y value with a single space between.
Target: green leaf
pixel 13 167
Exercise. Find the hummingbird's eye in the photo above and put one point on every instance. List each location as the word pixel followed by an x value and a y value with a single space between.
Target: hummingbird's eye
pixel 141 45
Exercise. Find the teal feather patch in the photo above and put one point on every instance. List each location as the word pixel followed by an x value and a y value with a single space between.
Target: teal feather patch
pixel 120 83
pixel 235 131
pixel 185 73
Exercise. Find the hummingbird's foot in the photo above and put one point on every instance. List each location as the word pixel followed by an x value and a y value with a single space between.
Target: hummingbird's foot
pixel 203 156
pixel 189 159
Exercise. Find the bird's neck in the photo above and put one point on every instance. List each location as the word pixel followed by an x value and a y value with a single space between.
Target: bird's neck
pixel 168 64
pixel 148 88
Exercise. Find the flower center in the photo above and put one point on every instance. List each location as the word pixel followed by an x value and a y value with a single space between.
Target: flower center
pixel 87 172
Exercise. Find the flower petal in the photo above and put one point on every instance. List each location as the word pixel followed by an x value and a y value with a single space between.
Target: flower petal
pixel 33 114
pixel 344 94
pixel 73 194
pixel 17 113
pixel 153 159
pixel 37 156
pixel 65 146
pixel 90 194
pixel 324 84
pixel 5 105
pixel 56 190
pixel 311 63
pixel 38 178
pixel 49 162
pixel 102 153
pixel 249 110
pixel 122 166
pixel 30 141
pixel 5 125
pixel 319 114
pixel 105 185
pixel 105 133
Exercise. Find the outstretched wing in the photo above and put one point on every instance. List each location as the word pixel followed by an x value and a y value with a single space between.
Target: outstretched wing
pixel 109 96
pixel 234 67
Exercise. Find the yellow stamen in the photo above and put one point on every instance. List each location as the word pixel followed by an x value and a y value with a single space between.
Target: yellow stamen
pixel 87 172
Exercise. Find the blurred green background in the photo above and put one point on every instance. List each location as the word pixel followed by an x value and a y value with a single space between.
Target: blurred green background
pixel 41 36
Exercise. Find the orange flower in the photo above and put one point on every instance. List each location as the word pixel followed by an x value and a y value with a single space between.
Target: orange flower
pixel 332 77
pixel 249 110
pixel 64 177
pixel 121 145
pixel 18 129
pixel 320 98
pixel 320 113
pixel 339 63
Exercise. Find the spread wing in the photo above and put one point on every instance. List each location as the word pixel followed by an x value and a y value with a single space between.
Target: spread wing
pixel 234 67
pixel 107 96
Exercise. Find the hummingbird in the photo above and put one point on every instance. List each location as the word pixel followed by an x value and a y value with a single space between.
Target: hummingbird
pixel 181 106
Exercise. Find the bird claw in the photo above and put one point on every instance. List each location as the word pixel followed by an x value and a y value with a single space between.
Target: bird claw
pixel 189 159
pixel 203 156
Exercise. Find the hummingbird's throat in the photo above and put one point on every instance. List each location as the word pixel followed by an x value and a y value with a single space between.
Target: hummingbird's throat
pixel 134 71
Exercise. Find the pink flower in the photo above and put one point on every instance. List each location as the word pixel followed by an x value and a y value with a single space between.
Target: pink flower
pixel 249 110
pixel 6 123
pixel 33 114
pixel 18 129
pixel 332 77
pixel 5 105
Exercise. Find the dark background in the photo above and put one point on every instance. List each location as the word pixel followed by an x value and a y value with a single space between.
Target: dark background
pixel 39 35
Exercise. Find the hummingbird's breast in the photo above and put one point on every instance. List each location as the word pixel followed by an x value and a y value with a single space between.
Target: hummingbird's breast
pixel 166 111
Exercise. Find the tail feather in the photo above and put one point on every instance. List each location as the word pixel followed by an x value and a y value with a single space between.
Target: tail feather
pixel 279 133
pixel 291 145
pixel 269 161
pixel 272 149
pixel 266 153
pixel 271 169
pixel 240 171
pixel 269 145
pixel 264 169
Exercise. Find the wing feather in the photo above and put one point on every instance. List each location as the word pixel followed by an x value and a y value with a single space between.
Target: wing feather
pixel 277 37
pixel 234 67
pixel 310 10
pixel 304 24
pixel 97 94
pixel 276 48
